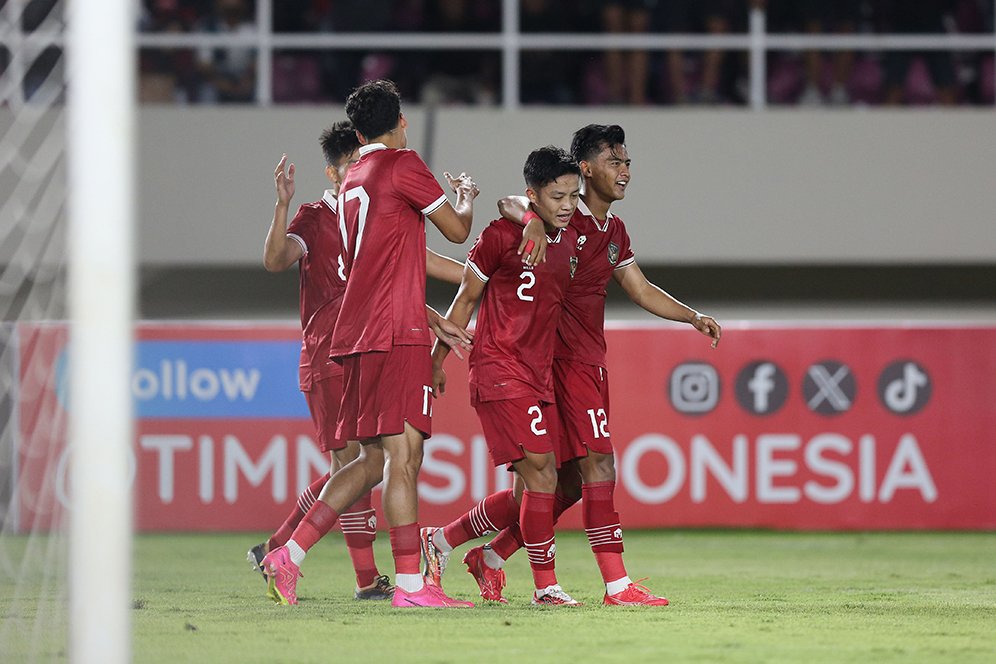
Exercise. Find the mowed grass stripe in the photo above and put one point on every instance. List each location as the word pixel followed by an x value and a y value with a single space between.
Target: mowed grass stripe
pixel 737 596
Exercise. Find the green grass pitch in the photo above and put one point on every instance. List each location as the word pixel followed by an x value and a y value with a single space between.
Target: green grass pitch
pixel 737 596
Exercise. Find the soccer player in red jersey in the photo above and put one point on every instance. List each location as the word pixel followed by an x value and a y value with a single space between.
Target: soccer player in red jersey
pixel 382 339
pixel 580 376
pixel 511 384
pixel 313 242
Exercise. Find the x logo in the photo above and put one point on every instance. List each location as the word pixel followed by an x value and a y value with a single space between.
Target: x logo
pixel 829 388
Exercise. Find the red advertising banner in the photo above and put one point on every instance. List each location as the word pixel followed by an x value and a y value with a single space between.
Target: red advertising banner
pixel 854 427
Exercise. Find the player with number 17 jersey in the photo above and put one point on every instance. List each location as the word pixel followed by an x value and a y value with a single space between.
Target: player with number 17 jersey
pixel 517 322
pixel 383 203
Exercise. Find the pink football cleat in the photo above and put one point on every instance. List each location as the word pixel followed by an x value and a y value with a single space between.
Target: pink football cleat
pixel 430 596
pixel 282 575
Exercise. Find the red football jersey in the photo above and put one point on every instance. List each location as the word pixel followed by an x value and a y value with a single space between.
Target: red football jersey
pixel 517 320
pixel 316 228
pixel 382 206
pixel 602 248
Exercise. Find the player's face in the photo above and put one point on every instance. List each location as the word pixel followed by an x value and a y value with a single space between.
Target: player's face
pixel 555 201
pixel 607 174
pixel 336 174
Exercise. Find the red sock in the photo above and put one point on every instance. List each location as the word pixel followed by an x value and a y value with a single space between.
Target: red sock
pixel 406 549
pixel 509 540
pixel 304 503
pixel 601 523
pixel 490 515
pixel 316 523
pixel 359 527
pixel 536 522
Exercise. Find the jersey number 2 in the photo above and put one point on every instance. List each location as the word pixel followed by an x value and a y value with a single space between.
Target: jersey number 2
pixel 528 281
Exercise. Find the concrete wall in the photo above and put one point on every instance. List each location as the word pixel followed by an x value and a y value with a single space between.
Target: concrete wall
pixel 708 186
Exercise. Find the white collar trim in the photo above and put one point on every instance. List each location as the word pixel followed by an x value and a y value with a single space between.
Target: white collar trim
pixel 585 211
pixel 370 147
pixel 329 198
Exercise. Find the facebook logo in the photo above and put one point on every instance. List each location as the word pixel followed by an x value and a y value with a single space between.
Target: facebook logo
pixel 761 388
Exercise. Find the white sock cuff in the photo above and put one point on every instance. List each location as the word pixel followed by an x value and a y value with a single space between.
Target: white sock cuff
pixel 297 554
pixel 492 559
pixel 410 583
pixel 439 540
pixel 617 586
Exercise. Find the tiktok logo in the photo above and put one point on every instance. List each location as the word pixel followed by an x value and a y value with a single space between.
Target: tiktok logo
pixel 761 387
pixel 904 387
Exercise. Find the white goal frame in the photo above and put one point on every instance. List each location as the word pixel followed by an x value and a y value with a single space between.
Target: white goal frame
pixel 100 151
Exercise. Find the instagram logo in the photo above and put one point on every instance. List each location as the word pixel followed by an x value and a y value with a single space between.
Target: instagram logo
pixel 694 388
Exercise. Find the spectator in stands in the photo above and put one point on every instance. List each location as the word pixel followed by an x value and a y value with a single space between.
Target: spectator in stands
pixel 466 77
pixel 817 17
pixel 626 71
pixel 549 77
pixel 688 16
pixel 228 74
pixel 921 17
pixel 159 68
pixel 976 17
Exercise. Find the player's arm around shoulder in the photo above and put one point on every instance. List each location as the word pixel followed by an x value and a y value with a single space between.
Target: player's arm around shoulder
pixel 659 302
pixel 279 250
pixel 533 244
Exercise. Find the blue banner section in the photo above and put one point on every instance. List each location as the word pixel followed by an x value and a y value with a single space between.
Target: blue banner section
pixel 208 379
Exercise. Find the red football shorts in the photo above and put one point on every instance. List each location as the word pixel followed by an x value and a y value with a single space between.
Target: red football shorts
pixel 513 425
pixel 583 405
pixel 324 399
pixel 383 390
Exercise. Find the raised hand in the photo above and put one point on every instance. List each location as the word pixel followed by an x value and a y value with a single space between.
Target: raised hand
pixel 284 182
pixel 463 185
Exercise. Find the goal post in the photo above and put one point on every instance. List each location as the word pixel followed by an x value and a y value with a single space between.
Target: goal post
pixel 100 141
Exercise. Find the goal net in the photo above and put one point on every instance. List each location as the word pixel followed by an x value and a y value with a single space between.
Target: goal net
pixel 51 528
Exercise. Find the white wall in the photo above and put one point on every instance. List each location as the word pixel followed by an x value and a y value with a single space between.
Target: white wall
pixel 708 186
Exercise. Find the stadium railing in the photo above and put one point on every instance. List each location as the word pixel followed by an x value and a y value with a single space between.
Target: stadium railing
pixel 511 42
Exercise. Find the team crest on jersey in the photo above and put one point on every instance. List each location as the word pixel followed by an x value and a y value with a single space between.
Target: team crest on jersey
pixel 581 240
pixel 574 265
pixel 613 253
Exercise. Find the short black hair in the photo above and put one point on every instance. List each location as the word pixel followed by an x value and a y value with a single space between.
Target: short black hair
pixel 590 140
pixel 374 108
pixel 338 142
pixel 547 164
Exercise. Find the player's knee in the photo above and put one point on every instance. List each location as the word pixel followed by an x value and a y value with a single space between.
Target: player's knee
pixel 372 459
pixel 598 468
pixel 348 454
pixel 546 478
pixel 404 465
pixel 569 482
